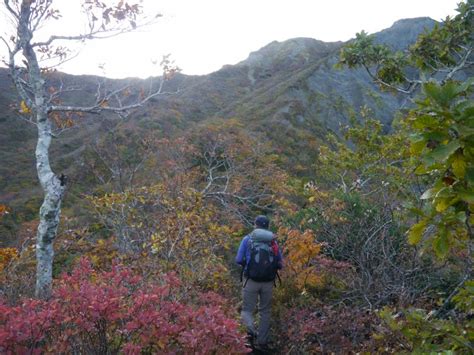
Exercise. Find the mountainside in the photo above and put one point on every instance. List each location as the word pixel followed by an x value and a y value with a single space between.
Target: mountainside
pixel 289 91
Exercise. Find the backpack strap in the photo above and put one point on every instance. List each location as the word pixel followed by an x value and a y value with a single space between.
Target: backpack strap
pixel 279 279
pixel 244 265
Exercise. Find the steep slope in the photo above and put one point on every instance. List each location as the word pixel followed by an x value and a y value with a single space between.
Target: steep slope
pixel 309 89
pixel 290 91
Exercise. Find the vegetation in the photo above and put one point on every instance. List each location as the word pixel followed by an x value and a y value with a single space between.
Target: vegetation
pixel 377 233
pixel 111 311
pixel 50 108
pixel 441 149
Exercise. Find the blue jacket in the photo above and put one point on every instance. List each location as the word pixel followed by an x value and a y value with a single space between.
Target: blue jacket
pixel 258 235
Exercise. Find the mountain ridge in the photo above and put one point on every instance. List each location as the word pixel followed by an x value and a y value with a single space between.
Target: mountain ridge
pixel 287 91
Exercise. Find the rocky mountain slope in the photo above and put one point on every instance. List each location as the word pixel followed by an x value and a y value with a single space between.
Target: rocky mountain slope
pixel 289 91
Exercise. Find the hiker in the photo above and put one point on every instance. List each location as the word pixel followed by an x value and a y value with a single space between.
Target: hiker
pixel 260 258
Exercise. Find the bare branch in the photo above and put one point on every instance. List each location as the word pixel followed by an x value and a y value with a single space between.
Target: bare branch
pixel 99 107
pixel 56 94
pixel 6 44
pixel 61 62
pixel 461 65
pixel 412 84
pixel 10 9
pixel 93 34
pixel 38 14
pixel 27 120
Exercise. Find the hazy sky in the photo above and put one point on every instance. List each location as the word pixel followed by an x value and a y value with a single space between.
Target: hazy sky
pixel 204 35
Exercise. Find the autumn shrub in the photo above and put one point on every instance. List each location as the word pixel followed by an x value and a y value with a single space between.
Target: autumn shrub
pixel 357 206
pixel 237 170
pixel 168 229
pixel 6 256
pixel 301 249
pixel 74 243
pixel 233 169
pixel 71 244
pixel 330 329
pixel 310 281
pixel 422 331
pixel 18 274
pixel 307 269
pixel 115 311
pixel 312 313
pixel 369 234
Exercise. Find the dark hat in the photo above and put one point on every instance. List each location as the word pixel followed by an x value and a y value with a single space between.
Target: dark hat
pixel 262 222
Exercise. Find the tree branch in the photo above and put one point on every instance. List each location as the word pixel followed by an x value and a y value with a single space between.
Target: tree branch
pixel 93 35
pixel 99 107
pixel 10 9
pixel 412 84
pixel 20 84
pixel 460 66
pixel 38 14
pixel 6 44
pixel 97 34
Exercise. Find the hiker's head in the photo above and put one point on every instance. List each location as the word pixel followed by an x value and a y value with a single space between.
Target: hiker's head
pixel 262 222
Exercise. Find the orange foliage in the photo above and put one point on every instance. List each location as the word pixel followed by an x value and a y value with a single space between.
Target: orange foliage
pixel 6 256
pixel 65 120
pixel 3 210
pixel 301 249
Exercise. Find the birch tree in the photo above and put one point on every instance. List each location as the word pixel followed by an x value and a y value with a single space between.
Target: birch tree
pixel 26 54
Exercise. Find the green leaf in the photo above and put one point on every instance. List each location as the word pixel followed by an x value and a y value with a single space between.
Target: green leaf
pixel 417 147
pixel 443 203
pixel 429 193
pixel 424 121
pixel 470 175
pixel 415 211
pixel 443 152
pixel 443 95
pixel 467 196
pixel 466 85
pixel 463 130
pixel 467 115
pixel 435 136
pixel 459 165
pixel 415 233
pixel 421 169
pixel 440 243
pixel 461 217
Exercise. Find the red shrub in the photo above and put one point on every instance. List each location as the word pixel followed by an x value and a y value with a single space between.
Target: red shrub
pixel 110 311
pixel 25 328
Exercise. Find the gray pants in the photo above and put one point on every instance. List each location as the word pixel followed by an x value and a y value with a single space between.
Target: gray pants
pixel 250 293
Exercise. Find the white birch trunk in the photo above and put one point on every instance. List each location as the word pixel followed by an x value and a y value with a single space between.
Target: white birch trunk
pixel 49 213
pixel 53 188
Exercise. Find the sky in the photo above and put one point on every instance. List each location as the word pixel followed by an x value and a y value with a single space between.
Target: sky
pixel 203 35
